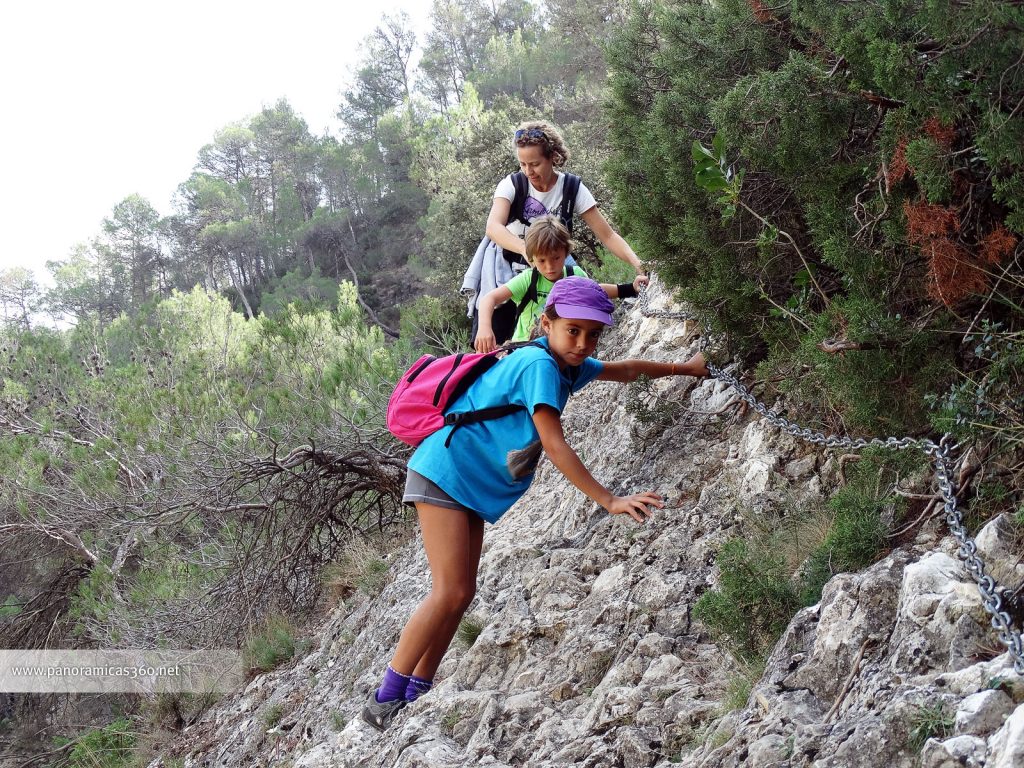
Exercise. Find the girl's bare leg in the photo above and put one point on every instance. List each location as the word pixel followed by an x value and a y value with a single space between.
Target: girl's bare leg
pixel 453 540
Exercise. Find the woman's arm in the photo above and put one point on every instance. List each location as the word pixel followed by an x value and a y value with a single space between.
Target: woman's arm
pixel 611 240
pixel 498 232
pixel 549 427
pixel 630 370
pixel 485 341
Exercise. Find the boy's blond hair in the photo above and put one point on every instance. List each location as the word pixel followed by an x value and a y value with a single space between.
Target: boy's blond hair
pixel 547 234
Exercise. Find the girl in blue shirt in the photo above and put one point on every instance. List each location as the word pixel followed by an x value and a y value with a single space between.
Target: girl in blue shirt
pixel 489 465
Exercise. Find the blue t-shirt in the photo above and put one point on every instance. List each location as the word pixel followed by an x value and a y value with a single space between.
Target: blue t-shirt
pixel 475 468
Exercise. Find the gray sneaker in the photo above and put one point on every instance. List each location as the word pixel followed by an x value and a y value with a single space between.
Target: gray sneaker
pixel 379 714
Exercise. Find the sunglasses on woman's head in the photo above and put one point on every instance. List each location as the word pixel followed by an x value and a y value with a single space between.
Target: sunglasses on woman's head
pixel 530 133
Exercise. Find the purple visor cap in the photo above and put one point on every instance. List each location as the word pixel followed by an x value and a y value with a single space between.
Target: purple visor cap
pixel 580 298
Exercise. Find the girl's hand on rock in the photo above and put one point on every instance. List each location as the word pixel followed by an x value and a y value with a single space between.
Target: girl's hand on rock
pixel 638 506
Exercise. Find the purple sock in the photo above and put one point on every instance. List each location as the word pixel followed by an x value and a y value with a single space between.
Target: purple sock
pixel 417 687
pixel 393 686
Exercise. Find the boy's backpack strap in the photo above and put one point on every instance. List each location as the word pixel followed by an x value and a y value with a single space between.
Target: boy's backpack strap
pixel 570 189
pixel 530 295
pixel 522 186
pixel 531 291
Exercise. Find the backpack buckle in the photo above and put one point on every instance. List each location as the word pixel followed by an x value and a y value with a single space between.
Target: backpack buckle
pixel 451 419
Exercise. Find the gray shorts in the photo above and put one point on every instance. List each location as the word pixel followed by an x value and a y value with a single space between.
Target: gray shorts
pixel 419 488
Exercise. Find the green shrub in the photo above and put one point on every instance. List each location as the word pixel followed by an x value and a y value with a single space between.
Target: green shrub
pixel 739 686
pixel 862 513
pixel 273 645
pixel 112 746
pixel 831 146
pixel 272 715
pixel 754 599
pixel 361 568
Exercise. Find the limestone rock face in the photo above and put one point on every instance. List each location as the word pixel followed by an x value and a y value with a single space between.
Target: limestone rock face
pixel 589 655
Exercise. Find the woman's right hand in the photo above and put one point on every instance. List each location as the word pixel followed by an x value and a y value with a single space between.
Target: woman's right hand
pixel 485 341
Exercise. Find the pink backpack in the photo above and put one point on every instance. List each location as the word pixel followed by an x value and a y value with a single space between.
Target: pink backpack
pixel 421 397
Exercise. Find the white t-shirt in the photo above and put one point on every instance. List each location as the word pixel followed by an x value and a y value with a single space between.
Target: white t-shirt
pixel 542 203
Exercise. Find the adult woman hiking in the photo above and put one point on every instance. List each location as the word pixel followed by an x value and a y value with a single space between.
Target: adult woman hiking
pixel 460 477
pixel 541 152
pixel 539 188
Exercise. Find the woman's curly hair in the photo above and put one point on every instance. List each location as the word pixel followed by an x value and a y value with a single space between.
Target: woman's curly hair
pixel 549 140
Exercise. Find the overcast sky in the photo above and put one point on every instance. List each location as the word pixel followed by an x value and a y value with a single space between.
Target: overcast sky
pixel 105 98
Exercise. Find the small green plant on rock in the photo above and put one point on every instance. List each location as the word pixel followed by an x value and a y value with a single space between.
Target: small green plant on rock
pixel 469 630
pixel 930 721
pixel 338 721
pixel 361 569
pixel 272 715
pixel 272 646
pixel 450 720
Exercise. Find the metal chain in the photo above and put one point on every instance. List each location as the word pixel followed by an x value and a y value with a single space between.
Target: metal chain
pixel 968 552
pixel 646 311
pixel 940 454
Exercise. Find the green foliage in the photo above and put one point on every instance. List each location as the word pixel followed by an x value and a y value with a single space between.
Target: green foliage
pixel 438 324
pixel 271 645
pixel 712 172
pixel 928 722
pixel 360 568
pixel 783 562
pixel 112 746
pixel 312 290
pixel 739 686
pixel 862 514
pixel 838 115
pixel 754 599
pixel 11 606
pixel 272 715
pixel 451 719
pixel 337 721
pixel 988 399
pixel 469 630
pixel 931 167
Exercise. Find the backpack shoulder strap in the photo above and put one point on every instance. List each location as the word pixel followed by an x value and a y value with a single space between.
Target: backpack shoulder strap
pixel 570 189
pixel 531 293
pixel 521 186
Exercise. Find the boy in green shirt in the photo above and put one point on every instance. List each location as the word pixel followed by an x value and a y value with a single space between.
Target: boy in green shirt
pixel 547 247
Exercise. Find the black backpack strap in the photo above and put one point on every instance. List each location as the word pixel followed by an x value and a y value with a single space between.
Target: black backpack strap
pixel 456 420
pixel 570 189
pixel 530 295
pixel 515 213
pixel 522 186
pixel 531 291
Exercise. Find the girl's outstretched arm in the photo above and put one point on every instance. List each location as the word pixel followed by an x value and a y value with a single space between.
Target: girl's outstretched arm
pixel 549 427
pixel 630 370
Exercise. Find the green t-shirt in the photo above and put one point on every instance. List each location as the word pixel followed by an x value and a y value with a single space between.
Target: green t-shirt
pixel 519 285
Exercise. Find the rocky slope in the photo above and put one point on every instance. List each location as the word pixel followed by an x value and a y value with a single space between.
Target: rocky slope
pixel 588 654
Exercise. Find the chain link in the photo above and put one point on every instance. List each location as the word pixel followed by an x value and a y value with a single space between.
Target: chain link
pixel 941 455
pixel 645 308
